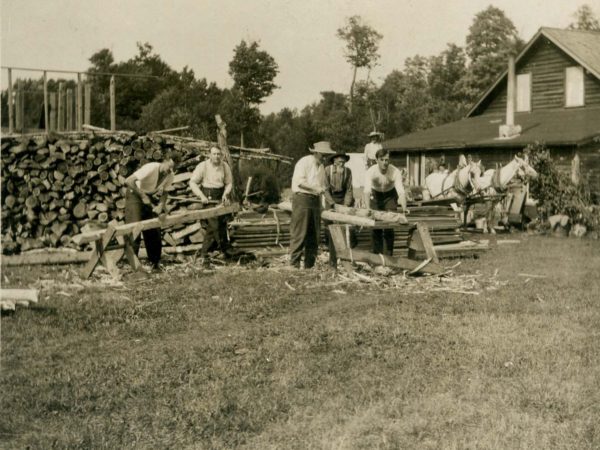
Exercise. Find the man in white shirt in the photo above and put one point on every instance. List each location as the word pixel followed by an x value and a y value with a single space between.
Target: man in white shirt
pixel 384 191
pixel 371 149
pixel 144 186
pixel 308 185
pixel 212 182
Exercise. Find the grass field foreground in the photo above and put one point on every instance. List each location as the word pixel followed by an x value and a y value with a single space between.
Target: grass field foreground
pixel 237 358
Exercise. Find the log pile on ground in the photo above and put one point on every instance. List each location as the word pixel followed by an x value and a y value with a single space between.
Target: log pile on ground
pixel 53 186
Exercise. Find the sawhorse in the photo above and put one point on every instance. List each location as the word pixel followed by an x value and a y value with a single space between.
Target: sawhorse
pixel 116 241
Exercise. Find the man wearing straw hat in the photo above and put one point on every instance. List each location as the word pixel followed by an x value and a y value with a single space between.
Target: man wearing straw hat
pixel 371 148
pixel 308 185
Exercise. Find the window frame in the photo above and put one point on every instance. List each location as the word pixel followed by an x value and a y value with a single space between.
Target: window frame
pixel 530 76
pixel 582 71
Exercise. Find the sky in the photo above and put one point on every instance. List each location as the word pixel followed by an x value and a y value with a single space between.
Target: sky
pixel 299 34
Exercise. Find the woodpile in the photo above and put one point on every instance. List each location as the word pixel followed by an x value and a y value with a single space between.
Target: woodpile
pixel 53 186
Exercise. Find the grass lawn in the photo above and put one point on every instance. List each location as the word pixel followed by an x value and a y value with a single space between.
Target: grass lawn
pixel 237 358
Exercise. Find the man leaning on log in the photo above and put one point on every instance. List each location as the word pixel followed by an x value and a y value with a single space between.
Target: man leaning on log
pixel 383 191
pixel 212 182
pixel 145 199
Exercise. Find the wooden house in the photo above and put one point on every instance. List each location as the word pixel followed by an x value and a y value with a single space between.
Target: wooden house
pixel 555 99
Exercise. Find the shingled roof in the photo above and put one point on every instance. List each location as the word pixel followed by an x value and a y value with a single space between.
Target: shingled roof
pixel 582 46
pixel 563 127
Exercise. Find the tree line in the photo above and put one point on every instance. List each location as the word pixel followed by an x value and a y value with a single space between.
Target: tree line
pixel 427 91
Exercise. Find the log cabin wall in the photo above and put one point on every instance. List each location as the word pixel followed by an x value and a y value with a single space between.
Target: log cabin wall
pixel 547 65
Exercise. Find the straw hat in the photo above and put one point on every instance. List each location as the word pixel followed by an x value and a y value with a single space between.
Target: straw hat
pixel 374 134
pixel 322 147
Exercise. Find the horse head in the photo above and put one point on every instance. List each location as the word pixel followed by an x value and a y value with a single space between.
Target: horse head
pixel 475 172
pixel 524 169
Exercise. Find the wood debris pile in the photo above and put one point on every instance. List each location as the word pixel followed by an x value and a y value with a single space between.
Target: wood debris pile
pixel 52 186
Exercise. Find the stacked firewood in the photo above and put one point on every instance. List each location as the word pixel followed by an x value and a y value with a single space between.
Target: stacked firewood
pixel 53 186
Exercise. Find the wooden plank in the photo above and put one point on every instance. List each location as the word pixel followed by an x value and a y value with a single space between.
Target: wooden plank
pixel 18 295
pixel 19 107
pixel 113 110
pixel 132 258
pixel 174 219
pixel 53 115
pixel 11 118
pixel 79 102
pixel 88 103
pixel 60 126
pixel 47 257
pixel 69 105
pixel 425 237
pixel 46 118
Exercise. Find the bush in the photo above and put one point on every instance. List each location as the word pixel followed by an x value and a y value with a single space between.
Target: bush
pixel 556 193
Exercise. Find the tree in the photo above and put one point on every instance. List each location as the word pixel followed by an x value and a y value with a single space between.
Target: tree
pixel 585 19
pixel 132 93
pixel 253 71
pixel 362 45
pixel 492 38
pixel 188 102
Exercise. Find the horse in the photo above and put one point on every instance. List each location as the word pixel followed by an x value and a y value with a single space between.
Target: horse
pixel 495 181
pixel 459 183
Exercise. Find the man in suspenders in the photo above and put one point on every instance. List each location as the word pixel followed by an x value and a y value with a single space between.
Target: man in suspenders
pixel 212 182
pixel 338 184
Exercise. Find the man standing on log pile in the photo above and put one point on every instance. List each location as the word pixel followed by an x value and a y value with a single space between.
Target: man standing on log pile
pixel 383 191
pixel 338 179
pixel 212 182
pixel 145 199
pixel 372 147
pixel 308 184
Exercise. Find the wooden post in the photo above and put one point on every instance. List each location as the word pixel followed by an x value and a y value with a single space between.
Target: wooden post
pixel 88 104
pixel 11 119
pixel 18 107
pixel 69 126
pixel 79 102
pixel 60 126
pixel 46 118
pixel 52 101
pixel 113 109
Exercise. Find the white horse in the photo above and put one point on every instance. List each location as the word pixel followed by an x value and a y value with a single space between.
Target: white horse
pixel 495 181
pixel 459 183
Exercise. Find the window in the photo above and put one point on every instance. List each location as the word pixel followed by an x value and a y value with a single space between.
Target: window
pixel 574 86
pixel 524 92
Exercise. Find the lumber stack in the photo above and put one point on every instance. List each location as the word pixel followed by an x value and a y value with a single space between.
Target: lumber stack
pixel 54 185
pixel 254 232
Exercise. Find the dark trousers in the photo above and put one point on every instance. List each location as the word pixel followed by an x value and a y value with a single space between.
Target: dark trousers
pixel 384 201
pixel 135 211
pixel 305 229
pixel 215 228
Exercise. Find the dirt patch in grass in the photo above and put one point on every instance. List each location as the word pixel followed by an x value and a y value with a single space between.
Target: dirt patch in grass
pixel 259 358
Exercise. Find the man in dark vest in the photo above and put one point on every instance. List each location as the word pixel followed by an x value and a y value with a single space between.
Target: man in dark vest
pixel 338 182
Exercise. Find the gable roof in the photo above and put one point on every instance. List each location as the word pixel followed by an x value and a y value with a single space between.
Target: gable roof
pixel 561 127
pixel 582 46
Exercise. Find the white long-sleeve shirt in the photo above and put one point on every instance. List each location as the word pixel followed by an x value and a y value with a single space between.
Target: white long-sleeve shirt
pixel 309 172
pixel 383 182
